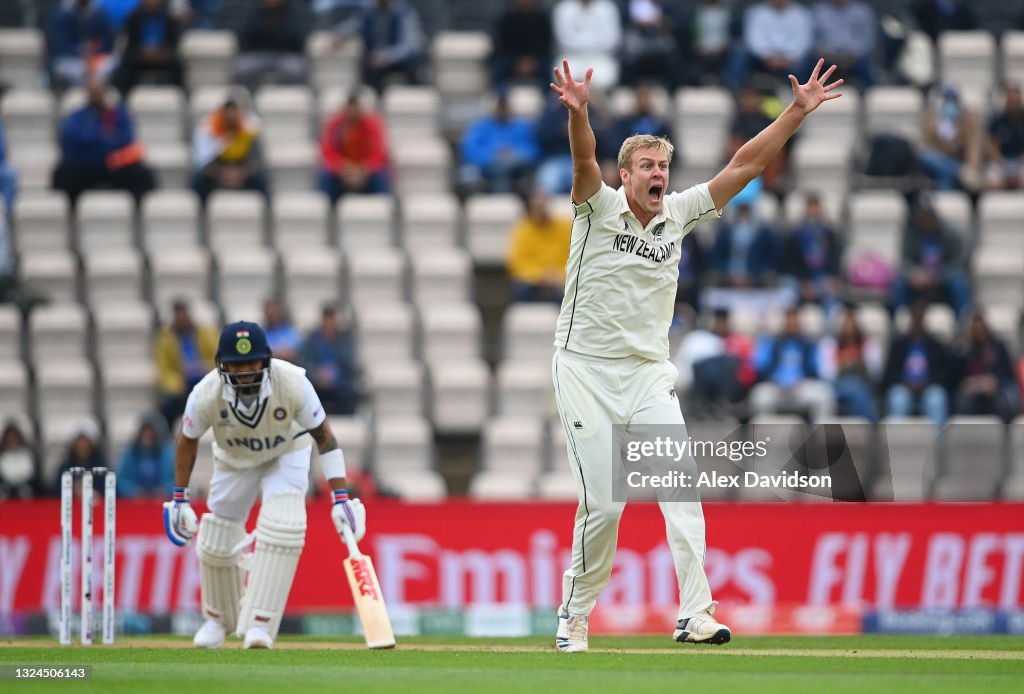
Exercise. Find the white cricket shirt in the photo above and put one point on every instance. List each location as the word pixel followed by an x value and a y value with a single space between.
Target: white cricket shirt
pixel 621 278
pixel 247 437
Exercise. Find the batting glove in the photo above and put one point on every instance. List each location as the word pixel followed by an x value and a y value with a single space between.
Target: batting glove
pixel 180 521
pixel 350 512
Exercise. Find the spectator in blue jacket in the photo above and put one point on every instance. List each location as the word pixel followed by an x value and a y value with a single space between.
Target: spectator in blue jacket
pixel 150 52
pixel 8 176
pixel 98 149
pixel 393 42
pixel 745 253
pixel 146 470
pixel 787 366
pixel 329 356
pixel 498 151
pixel 917 372
pixel 80 39
pixel 811 257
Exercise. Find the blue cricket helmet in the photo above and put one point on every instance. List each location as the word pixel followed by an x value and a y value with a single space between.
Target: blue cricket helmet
pixel 242 341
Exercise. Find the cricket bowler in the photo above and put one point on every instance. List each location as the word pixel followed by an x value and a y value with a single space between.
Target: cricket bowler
pixel 611 366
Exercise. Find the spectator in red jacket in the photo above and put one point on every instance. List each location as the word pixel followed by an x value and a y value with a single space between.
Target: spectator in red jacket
pixel 354 152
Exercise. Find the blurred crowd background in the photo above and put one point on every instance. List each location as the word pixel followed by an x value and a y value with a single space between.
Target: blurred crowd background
pixel 384 185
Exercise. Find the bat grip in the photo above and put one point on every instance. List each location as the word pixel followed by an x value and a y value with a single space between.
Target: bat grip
pixel 350 541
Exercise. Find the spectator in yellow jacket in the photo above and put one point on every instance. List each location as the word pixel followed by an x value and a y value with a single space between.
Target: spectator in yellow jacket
pixel 539 252
pixel 184 353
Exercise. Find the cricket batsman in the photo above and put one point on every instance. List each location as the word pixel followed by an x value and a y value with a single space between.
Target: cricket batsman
pixel 261 410
pixel 611 365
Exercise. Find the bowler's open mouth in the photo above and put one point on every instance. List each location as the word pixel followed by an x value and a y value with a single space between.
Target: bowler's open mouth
pixel 654 194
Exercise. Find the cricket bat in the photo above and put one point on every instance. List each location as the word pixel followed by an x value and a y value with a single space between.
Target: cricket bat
pixel 362 579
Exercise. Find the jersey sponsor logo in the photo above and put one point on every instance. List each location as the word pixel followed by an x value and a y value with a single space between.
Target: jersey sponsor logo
pixel 280 413
pixel 634 245
pixel 577 425
pixel 256 444
pixel 188 420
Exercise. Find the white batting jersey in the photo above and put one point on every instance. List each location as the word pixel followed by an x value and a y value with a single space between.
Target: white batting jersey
pixel 248 437
pixel 621 278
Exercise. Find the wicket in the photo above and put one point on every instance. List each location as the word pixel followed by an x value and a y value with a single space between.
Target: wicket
pixel 67 537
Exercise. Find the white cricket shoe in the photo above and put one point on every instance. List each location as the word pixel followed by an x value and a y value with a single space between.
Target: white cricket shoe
pixel 257 637
pixel 210 635
pixel 571 636
pixel 702 628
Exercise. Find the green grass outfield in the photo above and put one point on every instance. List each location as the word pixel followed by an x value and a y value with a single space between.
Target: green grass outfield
pixel 860 664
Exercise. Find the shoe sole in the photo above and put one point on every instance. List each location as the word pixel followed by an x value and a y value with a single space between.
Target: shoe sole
pixel 720 637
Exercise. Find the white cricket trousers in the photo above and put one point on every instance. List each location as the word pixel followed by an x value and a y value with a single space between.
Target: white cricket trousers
pixel 593 394
pixel 233 492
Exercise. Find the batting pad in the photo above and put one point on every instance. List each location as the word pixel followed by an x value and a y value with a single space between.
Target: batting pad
pixel 221 578
pixel 280 537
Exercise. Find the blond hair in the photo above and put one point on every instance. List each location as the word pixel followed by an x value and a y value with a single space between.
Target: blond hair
pixel 631 144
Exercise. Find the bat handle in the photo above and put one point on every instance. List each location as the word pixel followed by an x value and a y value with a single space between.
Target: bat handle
pixel 350 541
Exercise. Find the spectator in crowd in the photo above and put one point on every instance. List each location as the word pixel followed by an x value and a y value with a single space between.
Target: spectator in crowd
pixel 643 120
pixel 811 257
pixel 778 36
pixel 951 144
pixel 184 353
pixel 985 383
pixel 353 152
pixel 845 31
pixel 711 23
pixel 272 42
pixel 80 41
pixel 554 175
pixel 588 32
pixel 852 362
pixel 787 370
pixel 499 151
pixel 655 41
pixel 1005 143
pixel 915 372
pixel 118 11
pixel 523 41
pixel 226 152
pixel 282 337
pixel 19 468
pixel 752 116
pixel 151 47
pixel 146 470
pixel 691 267
pixel 98 149
pixel 329 357
pixel 934 262
pixel 85 450
pixel 716 366
pixel 393 42
pixel 936 16
pixel 200 13
pixel 539 252
pixel 8 176
pixel 745 252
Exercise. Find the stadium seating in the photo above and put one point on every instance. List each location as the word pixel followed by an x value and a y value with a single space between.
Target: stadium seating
pixel 418 269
